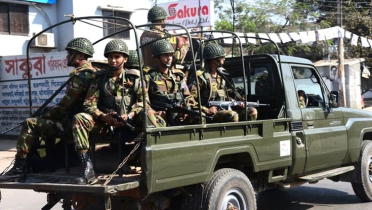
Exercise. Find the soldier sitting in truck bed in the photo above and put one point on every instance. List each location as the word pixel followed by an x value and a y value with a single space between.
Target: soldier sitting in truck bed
pixel 114 99
pixel 56 123
pixel 213 87
pixel 167 87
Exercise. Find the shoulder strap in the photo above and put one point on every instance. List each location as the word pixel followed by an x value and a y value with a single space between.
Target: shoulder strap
pixel 136 73
pixel 208 79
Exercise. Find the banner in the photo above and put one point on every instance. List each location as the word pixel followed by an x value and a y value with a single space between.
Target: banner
pixel 190 14
pixel 48 72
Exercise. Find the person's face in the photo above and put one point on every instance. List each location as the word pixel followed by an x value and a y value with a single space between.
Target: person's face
pixel 220 61
pixel 73 57
pixel 166 59
pixel 116 60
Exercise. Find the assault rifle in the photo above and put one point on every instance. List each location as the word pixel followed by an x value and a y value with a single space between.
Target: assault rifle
pixel 228 104
pixel 119 119
pixel 171 107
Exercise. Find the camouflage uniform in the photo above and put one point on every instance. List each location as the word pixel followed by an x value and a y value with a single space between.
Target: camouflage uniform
pixel 168 88
pixel 155 13
pixel 57 121
pixel 122 96
pixel 180 44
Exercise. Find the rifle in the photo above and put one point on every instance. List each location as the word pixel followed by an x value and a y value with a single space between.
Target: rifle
pixel 228 104
pixel 172 107
pixel 119 119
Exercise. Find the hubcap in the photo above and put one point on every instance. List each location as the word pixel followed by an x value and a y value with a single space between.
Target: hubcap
pixel 234 199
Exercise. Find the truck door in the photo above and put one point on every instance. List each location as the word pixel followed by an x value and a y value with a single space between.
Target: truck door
pixel 325 133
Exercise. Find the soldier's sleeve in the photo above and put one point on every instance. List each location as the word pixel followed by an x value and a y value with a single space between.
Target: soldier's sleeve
pixel 76 87
pixel 139 105
pixel 91 100
pixel 194 93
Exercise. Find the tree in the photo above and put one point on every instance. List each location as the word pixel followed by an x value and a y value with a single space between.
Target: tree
pixel 267 16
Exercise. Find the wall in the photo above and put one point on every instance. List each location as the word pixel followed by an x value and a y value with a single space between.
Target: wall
pixel 37 21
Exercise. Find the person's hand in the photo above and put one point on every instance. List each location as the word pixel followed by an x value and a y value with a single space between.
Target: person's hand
pixel 182 116
pixel 212 110
pixel 162 114
pixel 111 120
pixel 241 105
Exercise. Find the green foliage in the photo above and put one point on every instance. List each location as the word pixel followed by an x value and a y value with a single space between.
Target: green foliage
pixel 268 16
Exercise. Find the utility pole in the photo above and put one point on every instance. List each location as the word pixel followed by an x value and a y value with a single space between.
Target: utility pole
pixel 341 72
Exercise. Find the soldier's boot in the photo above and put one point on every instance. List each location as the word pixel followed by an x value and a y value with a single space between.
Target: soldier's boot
pixel 87 175
pixel 17 171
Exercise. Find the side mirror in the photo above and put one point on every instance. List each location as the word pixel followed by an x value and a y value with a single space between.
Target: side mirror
pixel 334 99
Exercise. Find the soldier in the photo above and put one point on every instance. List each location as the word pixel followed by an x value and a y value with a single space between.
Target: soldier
pixel 263 84
pixel 57 121
pixel 167 85
pixel 115 97
pixel 133 61
pixel 301 99
pixel 180 44
pixel 155 15
pixel 213 87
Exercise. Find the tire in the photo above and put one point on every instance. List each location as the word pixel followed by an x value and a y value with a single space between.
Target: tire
pixel 228 188
pixel 363 183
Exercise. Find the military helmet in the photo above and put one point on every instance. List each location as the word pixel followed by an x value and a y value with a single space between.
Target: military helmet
pixel 161 47
pixel 82 45
pixel 116 45
pixel 133 60
pixel 156 13
pixel 213 50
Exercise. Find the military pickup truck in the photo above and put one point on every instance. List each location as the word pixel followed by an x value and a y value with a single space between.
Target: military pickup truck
pixel 224 165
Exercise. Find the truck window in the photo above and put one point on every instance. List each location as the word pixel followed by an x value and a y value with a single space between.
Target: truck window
pixel 309 91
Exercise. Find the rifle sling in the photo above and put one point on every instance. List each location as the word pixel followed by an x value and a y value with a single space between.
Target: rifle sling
pixel 50 99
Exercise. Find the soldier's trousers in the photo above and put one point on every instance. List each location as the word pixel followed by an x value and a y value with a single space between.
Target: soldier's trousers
pixel 35 128
pixel 84 124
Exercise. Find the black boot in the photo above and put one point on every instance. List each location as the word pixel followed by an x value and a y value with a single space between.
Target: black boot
pixel 87 175
pixel 17 171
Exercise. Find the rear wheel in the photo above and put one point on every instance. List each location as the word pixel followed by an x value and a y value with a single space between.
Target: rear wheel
pixel 229 189
pixel 363 183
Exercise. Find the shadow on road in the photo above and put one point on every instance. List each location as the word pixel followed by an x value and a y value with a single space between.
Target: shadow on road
pixel 303 197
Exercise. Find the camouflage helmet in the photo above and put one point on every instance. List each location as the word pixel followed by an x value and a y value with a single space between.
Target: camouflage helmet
pixel 82 45
pixel 156 13
pixel 161 47
pixel 213 50
pixel 116 45
pixel 133 60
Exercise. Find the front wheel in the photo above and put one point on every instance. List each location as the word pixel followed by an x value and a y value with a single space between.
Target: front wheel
pixel 229 189
pixel 363 183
